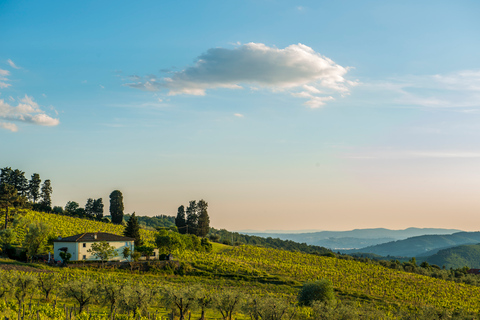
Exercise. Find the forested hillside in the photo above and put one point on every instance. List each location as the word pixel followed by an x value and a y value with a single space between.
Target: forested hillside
pixel 421 245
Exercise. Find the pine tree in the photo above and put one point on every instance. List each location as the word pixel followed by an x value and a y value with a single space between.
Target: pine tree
pixel 9 198
pixel 203 225
pixel 34 187
pixel 19 181
pixel 116 206
pixel 192 217
pixel 132 230
pixel 89 208
pixel 180 220
pixel 46 195
pixel 98 209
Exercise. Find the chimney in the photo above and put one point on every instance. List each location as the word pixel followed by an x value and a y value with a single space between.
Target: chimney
pixel 59 237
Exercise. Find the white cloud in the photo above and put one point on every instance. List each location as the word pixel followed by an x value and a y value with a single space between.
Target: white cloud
pixel 27 110
pixel 12 64
pixel 238 115
pixel 292 69
pixel 9 126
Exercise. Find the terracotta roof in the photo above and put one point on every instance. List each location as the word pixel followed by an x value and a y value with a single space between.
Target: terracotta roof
pixel 94 237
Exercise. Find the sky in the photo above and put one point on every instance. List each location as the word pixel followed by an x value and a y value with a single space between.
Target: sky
pixel 282 115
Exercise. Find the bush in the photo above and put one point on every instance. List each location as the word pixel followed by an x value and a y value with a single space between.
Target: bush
pixel 320 290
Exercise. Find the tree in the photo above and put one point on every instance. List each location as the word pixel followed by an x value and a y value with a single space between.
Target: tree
pixel 7 237
pixel 34 187
pixel 19 181
pixel 71 207
pixel 102 251
pixel 9 198
pixel 89 208
pixel 168 241
pixel 319 290
pixel 83 290
pixel 47 282
pixel 136 297
pixel 6 175
pixel 203 225
pixel 24 284
pixel 131 256
pixel 192 217
pixel 132 230
pixel 36 238
pixel 46 195
pixel 116 206
pixel 227 302
pixel 65 256
pixel 98 209
pixel 180 220
pixel 183 298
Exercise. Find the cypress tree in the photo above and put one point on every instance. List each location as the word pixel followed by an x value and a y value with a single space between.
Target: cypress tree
pixel 203 225
pixel 47 196
pixel 132 230
pixel 180 220
pixel 116 206
pixel 192 217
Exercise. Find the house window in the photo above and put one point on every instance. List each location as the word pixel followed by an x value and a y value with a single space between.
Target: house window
pixel 84 257
pixel 84 245
pixel 153 255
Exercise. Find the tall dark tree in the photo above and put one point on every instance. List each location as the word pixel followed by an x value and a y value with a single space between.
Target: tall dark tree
pixel 6 176
pixel 46 195
pixel 116 206
pixel 89 208
pixel 132 230
pixel 19 181
pixel 98 208
pixel 203 225
pixel 180 220
pixel 9 198
pixel 34 187
pixel 71 207
pixel 192 217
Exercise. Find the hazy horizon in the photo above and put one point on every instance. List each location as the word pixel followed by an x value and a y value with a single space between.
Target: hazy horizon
pixel 314 115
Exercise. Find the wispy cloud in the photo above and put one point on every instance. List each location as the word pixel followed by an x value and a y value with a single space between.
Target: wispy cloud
pixel 238 115
pixel 411 154
pixel 458 89
pixel 3 78
pixel 27 110
pixel 296 69
pixel 12 64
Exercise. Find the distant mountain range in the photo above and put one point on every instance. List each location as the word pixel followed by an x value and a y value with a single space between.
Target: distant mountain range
pixel 353 239
pixel 420 246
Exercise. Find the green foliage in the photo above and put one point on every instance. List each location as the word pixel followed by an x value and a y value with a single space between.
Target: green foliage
pixel 34 187
pixel 46 195
pixel 84 291
pixel 36 238
pixel 183 298
pixel 116 206
pixel 132 230
pixel 9 198
pixel 66 256
pixel 192 218
pixel 103 251
pixel 203 224
pixel 168 242
pixel 320 290
pixel 180 221
pixel 7 237
pixel 206 246
pixel 227 302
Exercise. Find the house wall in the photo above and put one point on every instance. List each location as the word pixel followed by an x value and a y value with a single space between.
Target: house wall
pixel 78 250
pixel 119 245
pixel 72 249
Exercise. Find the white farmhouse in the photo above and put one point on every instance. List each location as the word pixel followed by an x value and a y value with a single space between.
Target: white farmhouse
pixel 79 245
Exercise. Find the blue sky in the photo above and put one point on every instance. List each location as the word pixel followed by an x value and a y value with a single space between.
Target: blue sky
pixel 327 115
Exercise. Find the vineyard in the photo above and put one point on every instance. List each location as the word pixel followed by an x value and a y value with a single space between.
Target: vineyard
pixel 248 271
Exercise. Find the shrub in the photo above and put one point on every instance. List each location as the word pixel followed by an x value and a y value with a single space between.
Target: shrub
pixel 320 290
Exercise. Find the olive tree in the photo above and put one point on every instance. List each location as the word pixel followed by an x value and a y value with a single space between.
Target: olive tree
pixel 183 299
pixel 227 302
pixel 83 291
pixel 103 251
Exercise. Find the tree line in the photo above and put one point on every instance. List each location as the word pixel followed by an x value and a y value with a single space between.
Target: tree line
pixel 194 219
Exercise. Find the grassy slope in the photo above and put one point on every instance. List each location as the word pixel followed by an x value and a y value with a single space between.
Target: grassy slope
pixel 282 272
pixel 457 257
